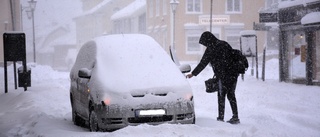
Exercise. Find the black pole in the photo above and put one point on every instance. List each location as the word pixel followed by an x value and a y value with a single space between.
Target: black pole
pixel 264 64
pixel 5 66
pixel 15 74
pixel 242 76
pixel 252 64
pixel 257 74
pixel 25 75
pixel 5 76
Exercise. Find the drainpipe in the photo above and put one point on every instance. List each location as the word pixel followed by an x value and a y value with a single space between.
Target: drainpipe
pixel 309 66
pixel 12 15
pixel 211 17
pixel 281 57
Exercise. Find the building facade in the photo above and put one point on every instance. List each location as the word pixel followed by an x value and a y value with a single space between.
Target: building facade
pixel 299 57
pixel 96 18
pixel 155 18
pixel 130 19
pixel 10 19
pixel 192 18
pixel 268 22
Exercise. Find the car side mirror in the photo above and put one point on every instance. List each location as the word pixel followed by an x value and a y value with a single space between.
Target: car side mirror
pixel 185 68
pixel 84 73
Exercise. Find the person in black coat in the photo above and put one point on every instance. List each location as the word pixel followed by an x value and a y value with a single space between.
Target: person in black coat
pixel 217 54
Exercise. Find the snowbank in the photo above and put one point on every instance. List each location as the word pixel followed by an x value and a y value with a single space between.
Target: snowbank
pixel 269 108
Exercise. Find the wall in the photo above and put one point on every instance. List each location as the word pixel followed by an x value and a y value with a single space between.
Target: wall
pixel 7 18
pixel 187 24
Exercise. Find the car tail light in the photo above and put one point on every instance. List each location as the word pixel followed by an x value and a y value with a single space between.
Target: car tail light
pixel 107 101
pixel 189 96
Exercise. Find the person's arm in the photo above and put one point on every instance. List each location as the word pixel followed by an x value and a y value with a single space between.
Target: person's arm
pixel 205 60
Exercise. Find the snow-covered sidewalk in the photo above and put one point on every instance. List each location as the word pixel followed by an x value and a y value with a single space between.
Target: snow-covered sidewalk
pixel 269 108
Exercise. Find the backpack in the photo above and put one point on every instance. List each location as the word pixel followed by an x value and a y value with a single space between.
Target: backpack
pixel 239 62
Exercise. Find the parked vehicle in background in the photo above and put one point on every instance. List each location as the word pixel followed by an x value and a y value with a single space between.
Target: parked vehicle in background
pixel 128 79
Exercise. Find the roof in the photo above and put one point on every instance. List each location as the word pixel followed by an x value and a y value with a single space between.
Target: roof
pixel 95 9
pixel 311 18
pixel 135 8
pixel 287 4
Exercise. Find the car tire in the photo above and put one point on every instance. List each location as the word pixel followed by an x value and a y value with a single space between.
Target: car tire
pixel 76 119
pixel 93 121
pixel 194 120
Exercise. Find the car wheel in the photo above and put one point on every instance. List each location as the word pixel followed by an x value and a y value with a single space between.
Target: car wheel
pixel 74 113
pixel 93 121
pixel 194 120
pixel 75 118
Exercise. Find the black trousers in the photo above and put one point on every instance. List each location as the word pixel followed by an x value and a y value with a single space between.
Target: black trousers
pixel 227 88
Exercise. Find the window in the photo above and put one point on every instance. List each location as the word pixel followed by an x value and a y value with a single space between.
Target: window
pixel 295 42
pixel 194 6
pixel 193 45
pixel 192 35
pixel 234 41
pixel 151 8
pixel 232 35
pixel 164 6
pixel 157 7
pixel 270 3
pixel 142 23
pixel 234 6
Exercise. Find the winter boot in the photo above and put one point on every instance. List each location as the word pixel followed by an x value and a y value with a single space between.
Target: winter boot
pixel 234 120
pixel 220 119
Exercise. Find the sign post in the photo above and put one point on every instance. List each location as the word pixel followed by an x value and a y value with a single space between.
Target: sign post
pixel 14 48
pixel 249 47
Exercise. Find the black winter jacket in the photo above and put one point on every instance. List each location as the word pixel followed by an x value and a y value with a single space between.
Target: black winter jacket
pixel 217 55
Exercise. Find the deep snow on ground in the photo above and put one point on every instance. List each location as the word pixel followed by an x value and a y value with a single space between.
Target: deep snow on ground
pixel 266 108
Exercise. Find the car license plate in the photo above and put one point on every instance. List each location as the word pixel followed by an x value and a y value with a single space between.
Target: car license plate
pixel 151 112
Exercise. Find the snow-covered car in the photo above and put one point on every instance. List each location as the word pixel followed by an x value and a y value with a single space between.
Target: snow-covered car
pixel 128 79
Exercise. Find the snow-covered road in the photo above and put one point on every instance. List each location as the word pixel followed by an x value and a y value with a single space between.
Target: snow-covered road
pixel 269 108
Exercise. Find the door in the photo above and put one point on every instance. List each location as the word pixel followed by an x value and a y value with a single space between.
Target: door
pixel 75 94
pixel 84 92
pixel 297 53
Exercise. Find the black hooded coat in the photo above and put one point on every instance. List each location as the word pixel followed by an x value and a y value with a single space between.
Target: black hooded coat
pixel 217 54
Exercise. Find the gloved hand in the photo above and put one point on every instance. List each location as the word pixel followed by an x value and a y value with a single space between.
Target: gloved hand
pixel 189 76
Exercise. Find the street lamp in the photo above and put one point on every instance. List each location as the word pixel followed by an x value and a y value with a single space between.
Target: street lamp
pixel 173 4
pixel 32 5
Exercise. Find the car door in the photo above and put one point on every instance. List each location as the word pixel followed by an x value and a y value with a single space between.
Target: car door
pixel 75 94
pixel 84 92
pixel 85 61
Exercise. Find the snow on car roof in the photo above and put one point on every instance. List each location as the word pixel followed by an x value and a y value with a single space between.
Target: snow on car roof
pixel 128 62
